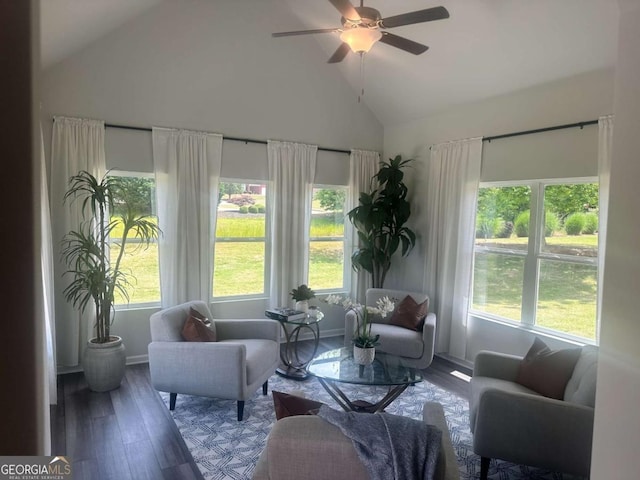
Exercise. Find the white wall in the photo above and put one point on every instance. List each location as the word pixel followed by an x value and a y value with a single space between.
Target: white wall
pixel 617 422
pixel 212 66
pixel 580 98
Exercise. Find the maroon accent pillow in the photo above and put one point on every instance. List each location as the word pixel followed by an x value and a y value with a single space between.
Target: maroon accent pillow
pixel 287 405
pixel 547 371
pixel 410 314
pixel 198 328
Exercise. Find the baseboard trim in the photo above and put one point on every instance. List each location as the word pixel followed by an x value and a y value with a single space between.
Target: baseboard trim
pixel 135 359
pixel 132 360
pixel 455 360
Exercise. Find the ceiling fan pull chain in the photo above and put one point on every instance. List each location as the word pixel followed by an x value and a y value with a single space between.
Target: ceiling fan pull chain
pixel 361 77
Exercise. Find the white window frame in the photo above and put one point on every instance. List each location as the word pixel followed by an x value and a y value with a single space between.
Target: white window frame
pixel 266 240
pixel 533 255
pixel 346 270
pixel 139 305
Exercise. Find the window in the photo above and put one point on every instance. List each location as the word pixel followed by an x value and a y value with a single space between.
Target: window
pixel 536 255
pixel 240 247
pixel 326 245
pixel 142 263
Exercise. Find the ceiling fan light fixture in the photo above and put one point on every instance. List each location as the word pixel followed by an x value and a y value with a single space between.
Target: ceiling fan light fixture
pixel 360 39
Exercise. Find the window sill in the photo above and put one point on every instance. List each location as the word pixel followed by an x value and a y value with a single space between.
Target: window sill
pixel 533 329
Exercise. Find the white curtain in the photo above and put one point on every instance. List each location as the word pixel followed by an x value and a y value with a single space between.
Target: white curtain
pixel 77 144
pixel 605 141
pixel 187 170
pixel 452 189
pixel 47 265
pixel 363 165
pixel 292 168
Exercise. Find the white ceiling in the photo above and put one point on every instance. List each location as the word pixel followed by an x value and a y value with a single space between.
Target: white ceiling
pixel 486 47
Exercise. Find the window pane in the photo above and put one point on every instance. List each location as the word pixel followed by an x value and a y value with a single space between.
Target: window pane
pixel 239 268
pixel 140 261
pixel 502 218
pixel 571 219
pixel 567 298
pixel 497 284
pixel 326 261
pixel 239 264
pixel 143 264
pixel 326 248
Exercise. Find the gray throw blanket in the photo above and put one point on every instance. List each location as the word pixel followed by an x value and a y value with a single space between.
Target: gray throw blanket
pixel 389 446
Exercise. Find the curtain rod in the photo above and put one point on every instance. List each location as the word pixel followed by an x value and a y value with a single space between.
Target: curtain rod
pixel 538 130
pixel 235 139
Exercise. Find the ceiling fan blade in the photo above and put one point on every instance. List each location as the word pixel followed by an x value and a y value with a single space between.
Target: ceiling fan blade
pixel 346 8
pixel 305 32
pixel 403 43
pixel 419 16
pixel 340 53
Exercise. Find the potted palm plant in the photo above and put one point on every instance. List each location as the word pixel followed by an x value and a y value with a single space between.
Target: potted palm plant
pixel 301 296
pixel 379 220
pixel 95 267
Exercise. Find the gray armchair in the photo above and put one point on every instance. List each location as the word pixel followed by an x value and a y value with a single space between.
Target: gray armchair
pixel 244 357
pixel 416 348
pixel 516 424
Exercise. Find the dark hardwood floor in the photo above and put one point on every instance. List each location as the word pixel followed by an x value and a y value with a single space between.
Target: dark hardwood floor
pixel 128 433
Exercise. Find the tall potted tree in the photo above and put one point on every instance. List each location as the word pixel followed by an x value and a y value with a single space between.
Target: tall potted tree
pixel 379 220
pixel 95 268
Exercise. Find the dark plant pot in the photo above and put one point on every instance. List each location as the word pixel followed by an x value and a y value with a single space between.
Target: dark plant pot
pixel 104 364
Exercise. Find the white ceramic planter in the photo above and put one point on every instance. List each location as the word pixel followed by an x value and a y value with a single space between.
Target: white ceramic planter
pixel 104 364
pixel 302 305
pixel 364 356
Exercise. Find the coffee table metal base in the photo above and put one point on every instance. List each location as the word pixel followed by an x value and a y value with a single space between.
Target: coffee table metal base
pixel 360 405
pixel 293 373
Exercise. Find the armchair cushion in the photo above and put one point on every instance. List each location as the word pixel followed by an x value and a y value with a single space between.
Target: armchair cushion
pixel 547 371
pixel 410 314
pixel 398 341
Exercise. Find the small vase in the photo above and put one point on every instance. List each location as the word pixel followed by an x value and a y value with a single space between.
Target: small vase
pixel 302 305
pixel 364 356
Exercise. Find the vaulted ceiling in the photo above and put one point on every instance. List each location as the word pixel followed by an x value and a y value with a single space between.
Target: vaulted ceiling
pixel 486 47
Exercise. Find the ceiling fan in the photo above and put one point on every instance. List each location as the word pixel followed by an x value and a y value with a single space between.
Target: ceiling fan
pixel 363 26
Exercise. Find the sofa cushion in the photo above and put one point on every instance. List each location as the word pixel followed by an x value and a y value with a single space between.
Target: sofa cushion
pixel 398 341
pixel 581 387
pixel 198 328
pixel 547 371
pixel 410 314
pixel 287 405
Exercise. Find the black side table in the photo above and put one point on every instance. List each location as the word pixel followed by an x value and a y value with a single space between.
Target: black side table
pixel 295 367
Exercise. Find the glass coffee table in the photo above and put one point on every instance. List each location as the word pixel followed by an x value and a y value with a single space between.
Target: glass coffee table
pixel 338 366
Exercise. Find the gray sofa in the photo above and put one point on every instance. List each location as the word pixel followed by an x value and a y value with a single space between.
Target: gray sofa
pixel 415 348
pixel 246 354
pixel 516 424
pixel 307 447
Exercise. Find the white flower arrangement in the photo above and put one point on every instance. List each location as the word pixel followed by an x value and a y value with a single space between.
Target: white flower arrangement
pixel 362 336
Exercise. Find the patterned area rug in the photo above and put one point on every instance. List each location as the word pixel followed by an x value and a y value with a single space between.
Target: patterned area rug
pixel 224 448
